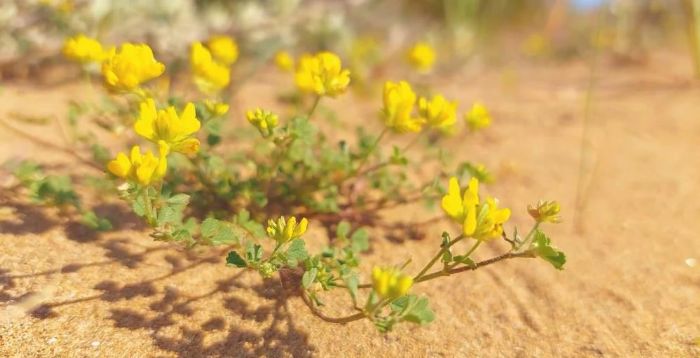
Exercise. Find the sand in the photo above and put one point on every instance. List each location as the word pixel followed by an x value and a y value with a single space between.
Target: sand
pixel 631 287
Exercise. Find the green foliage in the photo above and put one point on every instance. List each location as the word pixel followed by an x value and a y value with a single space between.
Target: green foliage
pixel 541 246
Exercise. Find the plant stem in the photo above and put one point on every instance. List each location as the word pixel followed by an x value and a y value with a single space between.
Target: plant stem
pixel 437 257
pixel 148 207
pixel 314 106
pixel 366 157
pixel 509 255
pixel 321 315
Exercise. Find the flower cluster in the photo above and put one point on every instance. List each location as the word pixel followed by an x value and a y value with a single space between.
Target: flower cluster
pixel 210 75
pixel 545 211
pixel 390 283
pixel 285 230
pixel 264 121
pixel 125 70
pixel 482 220
pixel 437 112
pixel 138 167
pixel 422 57
pixel 322 74
pixel 168 129
pixel 478 117
pixel 84 49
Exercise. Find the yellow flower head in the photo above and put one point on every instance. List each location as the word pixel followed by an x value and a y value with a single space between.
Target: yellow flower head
pixel 284 230
pixel 84 49
pixel 210 76
pixel 478 117
pixel 322 74
pixel 545 211
pixel 216 108
pixel 399 100
pixel 284 61
pixel 141 168
pixel 480 220
pixel 438 112
pixel 165 127
pixel 390 283
pixel 422 57
pixel 224 49
pixel 264 121
pixel 128 68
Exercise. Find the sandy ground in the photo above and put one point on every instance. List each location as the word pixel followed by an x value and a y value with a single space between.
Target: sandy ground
pixel 628 289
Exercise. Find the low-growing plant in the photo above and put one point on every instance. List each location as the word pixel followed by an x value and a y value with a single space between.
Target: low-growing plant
pixel 259 190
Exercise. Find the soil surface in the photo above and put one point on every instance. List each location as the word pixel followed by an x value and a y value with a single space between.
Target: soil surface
pixel 631 287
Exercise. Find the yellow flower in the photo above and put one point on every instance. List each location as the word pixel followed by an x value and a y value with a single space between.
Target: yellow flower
pixel 165 127
pixel 480 220
pixel 210 76
pixel 223 48
pixel 284 230
pixel 216 108
pixel 545 211
pixel 284 61
pixel 422 57
pixel 399 100
pixel 438 112
pixel 478 117
pixel 84 49
pixel 322 74
pixel 142 168
pixel 132 65
pixel 390 283
pixel 264 121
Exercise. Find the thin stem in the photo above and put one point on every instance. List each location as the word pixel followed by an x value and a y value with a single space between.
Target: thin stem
pixel 48 144
pixel 321 315
pixel 148 206
pixel 476 244
pixel 366 157
pixel 314 106
pixel 510 255
pixel 437 257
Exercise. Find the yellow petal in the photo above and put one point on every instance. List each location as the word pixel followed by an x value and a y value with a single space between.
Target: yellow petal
pixel 452 203
pixel 469 225
pixel 120 166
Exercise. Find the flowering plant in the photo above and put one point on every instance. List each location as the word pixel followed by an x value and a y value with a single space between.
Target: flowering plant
pixel 189 188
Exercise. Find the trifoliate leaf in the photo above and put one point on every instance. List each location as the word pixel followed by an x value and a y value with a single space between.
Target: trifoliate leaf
pixel 308 278
pixel 359 241
pixel 343 229
pixel 541 246
pixel 254 253
pixel 217 232
pixel 235 259
pixel 413 309
pixel 91 220
pixel 296 252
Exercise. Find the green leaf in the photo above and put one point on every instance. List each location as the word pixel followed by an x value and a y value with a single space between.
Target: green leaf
pixel 254 253
pixel 234 259
pixel 308 278
pixel 296 252
pixel 541 246
pixel 359 241
pixel 343 229
pixel 179 199
pixel 352 282
pixel 139 206
pixel 413 309
pixel 217 232
pixel 91 220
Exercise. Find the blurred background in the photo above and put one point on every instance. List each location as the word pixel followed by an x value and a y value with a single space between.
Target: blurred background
pixel 463 32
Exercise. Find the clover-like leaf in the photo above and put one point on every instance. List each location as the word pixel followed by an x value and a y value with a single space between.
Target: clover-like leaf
pixel 541 246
